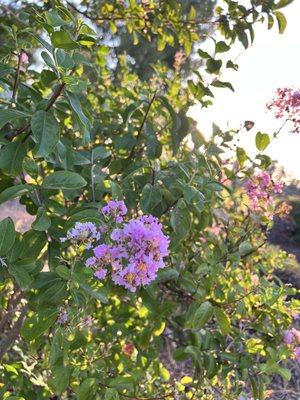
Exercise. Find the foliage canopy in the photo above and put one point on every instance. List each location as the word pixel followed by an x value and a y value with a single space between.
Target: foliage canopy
pixel 77 129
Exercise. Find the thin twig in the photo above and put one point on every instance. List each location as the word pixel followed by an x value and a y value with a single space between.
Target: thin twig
pixel 16 83
pixel 132 153
pixel 12 134
pixel 136 17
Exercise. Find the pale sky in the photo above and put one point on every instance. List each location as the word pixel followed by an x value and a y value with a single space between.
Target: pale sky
pixel 273 61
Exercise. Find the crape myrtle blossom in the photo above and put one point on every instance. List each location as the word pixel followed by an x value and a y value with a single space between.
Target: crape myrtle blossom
pixel 115 209
pixel 291 338
pixel 144 246
pixel 63 316
pixel 260 189
pixel 83 232
pixel 286 104
pixel 129 253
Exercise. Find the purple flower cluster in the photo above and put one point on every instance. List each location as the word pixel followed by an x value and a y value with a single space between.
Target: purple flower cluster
pixel 286 104
pixel 115 209
pixel 132 253
pixel 143 245
pixel 260 189
pixel 63 316
pixel 83 232
pixel 291 337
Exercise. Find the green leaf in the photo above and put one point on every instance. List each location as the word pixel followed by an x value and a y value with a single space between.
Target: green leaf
pixel 14 191
pixel 194 197
pixel 64 60
pixel 45 132
pixel 151 197
pixel 63 272
pixel 281 20
pixel 42 42
pixel 222 320
pixel 42 222
pixel 181 220
pixel 282 3
pixel 32 244
pixel 116 191
pixel 203 54
pixel 271 367
pixel 242 35
pixel 87 389
pixel 111 394
pixel 265 161
pixel 202 315
pixel 166 275
pixel 64 180
pixel 129 111
pixel 11 115
pixel 222 84
pixel 38 323
pixel 61 377
pixel 270 21
pixel 63 40
pixel 30 167
pixel 222 47
pixel 213 66
pixel 245 248
pixel 154 147
pixel 11 158
pixel 96 294
pixel 100 153
pixel 54 19
pixel 81 118
pixel 262 140
pixel 195 352
pixel 7 235
pixel 21 275
pixel 241 156
pixel 48 60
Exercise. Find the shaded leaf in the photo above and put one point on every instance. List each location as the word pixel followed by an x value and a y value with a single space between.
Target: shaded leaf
pixel 7 235
pixel 45 131
pixel 64 180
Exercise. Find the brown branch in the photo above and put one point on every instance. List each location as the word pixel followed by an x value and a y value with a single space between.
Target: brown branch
pixel 134 17
pixel 170 206
pixel 10 309
pixel 57 92
pixel 13 334
pixel 16 83
pixel 254 250
pixel 55 95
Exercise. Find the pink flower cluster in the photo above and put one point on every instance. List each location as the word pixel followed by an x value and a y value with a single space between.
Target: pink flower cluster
pixel 292 338
pixel 260 189
pixel 130 253
pixel 286 104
